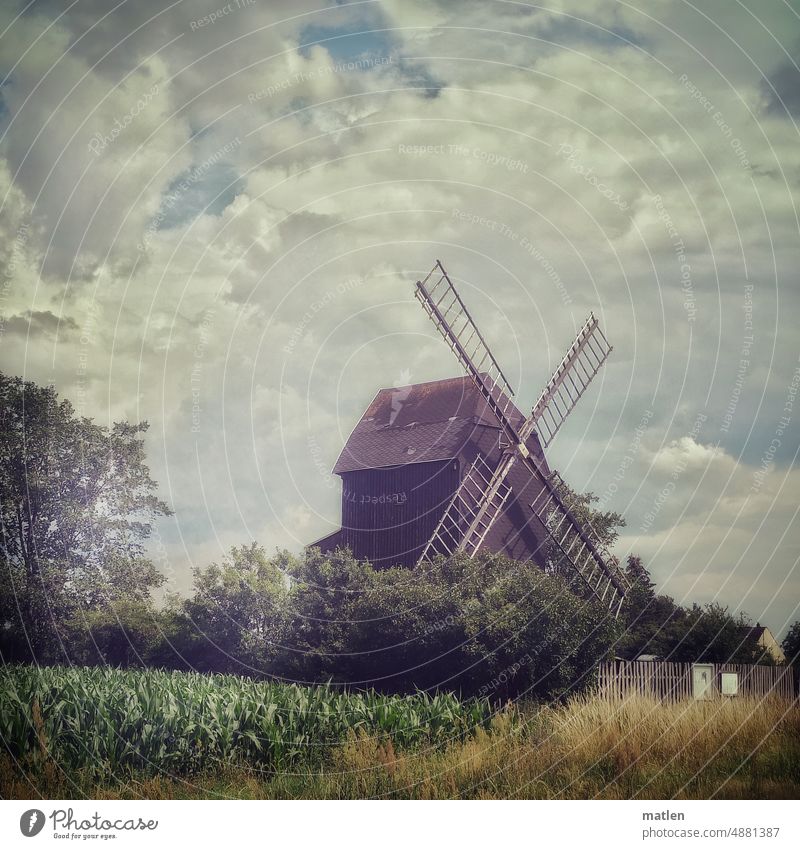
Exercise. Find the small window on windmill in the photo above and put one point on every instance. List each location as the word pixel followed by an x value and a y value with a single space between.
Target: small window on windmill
pixel 729 683
pixel 702 681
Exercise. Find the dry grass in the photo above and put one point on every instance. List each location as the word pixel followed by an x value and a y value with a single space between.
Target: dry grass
pixel 586 749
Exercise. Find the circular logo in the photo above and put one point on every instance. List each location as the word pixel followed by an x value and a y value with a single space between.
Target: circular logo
pixel 31 822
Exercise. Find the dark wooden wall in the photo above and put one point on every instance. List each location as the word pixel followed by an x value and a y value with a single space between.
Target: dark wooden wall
pixel 389 514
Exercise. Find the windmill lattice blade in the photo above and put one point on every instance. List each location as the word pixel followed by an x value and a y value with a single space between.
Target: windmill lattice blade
pixel 592 564
pixel 443 304
pixel 561 487
pixel 472 510
pixel 569 381
pixel 469 508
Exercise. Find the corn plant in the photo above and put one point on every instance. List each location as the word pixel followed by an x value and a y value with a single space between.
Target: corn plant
pixel 112 722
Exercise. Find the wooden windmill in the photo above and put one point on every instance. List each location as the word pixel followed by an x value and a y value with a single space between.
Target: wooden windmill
pixel 453 465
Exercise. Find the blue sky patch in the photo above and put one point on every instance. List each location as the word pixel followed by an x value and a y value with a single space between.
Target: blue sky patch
pixel 201 189
pixel 345 46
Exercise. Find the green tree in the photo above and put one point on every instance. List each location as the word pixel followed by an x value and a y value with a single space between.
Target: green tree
pixel 533 637
pixel 711 634
pixel 127 633
pixel 655 624
pixel 485 625
pixel 647 616
pixel 236 616
pixel 322 623
pixel 409 628
pixel 791 648
pixel 791 645
pixel 76 507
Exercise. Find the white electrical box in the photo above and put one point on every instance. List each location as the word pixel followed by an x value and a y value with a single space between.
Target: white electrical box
pixel 729 683
pixel 702 681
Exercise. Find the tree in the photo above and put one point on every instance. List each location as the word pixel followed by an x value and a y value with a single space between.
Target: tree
pixel 711 634
pixel 532 636
pixel 655 624
pixel 409 628
pixel 322 640
pixel 647 616
pixel 76 507
pixel 485 625
pixel 791 645
pixel 791 648
pixel 127 633
pixel 235 619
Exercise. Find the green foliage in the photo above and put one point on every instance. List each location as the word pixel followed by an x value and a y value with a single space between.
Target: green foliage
pixel 710 633
pixel 77 502
pixel 125 634
pixel 532 636
pixel 655 624
pixel 234 620
pixel 791 645
pixel 111 722
pixel 486 625
pixel 76 506
pixel 585 748
pixel 324 628
pixel 650 620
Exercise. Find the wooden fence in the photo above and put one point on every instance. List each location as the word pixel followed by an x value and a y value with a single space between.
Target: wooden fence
pixel 620 679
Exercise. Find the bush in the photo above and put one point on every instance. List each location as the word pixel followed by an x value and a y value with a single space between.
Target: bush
pixel 487 625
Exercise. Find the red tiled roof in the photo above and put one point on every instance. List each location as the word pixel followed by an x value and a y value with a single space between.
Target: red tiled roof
pixel 417 424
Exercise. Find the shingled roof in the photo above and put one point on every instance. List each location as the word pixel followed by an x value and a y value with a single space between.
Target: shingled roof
pixel 419 423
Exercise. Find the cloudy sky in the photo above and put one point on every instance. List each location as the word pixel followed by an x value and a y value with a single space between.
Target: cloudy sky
pixel 213 216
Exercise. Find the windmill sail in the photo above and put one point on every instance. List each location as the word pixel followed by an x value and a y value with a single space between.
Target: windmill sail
pixel 476 503
pixel 592 563
pixel 443 304
pixel 480 497
pixel 569 381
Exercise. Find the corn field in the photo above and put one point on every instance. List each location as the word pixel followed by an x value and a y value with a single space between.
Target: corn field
pixel 111 722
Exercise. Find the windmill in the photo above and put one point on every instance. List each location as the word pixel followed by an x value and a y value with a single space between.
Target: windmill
pixel 455 466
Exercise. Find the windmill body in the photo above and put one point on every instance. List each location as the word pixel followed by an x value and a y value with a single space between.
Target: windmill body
pixel 403 464
pixel 453 465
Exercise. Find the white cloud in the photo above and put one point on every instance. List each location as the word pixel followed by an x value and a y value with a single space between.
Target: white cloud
pixel 685 454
